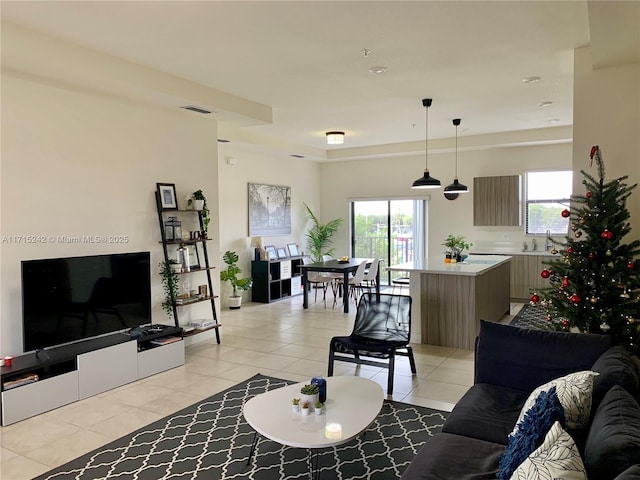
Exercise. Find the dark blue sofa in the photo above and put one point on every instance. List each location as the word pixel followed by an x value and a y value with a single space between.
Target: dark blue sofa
pixel 510 362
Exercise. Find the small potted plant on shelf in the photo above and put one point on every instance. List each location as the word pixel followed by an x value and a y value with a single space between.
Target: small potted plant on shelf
pixel 198 201
pixel 170 285
pixel 304 407
pixel 295 404
pixel 230 274
pixel 318 407
pixel 455 245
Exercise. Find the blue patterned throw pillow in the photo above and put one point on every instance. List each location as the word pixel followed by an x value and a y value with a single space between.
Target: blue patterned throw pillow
pixel 532 429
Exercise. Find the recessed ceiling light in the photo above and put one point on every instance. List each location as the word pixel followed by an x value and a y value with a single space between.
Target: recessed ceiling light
pixel 378 69
pixel 545 104
pixel 553 120
pixel 531 79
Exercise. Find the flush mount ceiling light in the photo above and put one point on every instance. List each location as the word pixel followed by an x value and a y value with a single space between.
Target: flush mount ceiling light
pixel 378 69
pixel 452 191
pixel 335 138
pixel 426 181
pixel 531 79
pixel 545 104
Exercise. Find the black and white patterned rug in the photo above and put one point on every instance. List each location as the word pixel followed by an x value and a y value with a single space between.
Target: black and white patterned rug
pixel 532 316
pixel 211 440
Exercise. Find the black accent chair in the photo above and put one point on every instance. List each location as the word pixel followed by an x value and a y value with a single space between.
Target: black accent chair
pixel 381 331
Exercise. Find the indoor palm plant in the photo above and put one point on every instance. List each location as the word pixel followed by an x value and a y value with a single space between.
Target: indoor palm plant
pixel 319 236
pixel 230 274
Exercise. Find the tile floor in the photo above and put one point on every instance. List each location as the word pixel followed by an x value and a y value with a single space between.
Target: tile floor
pixel 279 339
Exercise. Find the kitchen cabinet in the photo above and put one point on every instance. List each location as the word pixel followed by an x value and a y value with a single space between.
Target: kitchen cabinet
pixel 496 201
pixel 525 275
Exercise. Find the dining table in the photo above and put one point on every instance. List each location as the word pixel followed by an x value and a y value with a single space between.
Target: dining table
pixel 345 267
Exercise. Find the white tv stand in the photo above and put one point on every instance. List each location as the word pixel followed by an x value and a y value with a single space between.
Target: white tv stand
pixel 74 372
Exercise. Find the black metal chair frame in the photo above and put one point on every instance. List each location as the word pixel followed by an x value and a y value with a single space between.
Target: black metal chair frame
pixel 377 333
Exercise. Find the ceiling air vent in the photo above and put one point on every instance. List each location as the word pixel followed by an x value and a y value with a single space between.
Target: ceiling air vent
pixel 295 155
pixel 223 140
pixel 196 109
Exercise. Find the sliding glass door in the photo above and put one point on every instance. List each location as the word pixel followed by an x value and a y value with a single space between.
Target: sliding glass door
pixel 391 230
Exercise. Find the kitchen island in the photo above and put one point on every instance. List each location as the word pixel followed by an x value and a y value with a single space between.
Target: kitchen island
pixel 453 297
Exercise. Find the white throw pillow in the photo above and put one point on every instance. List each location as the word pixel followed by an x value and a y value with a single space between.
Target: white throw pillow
pixel 557 458
pixel 575 392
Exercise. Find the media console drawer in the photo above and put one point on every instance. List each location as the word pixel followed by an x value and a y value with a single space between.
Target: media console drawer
pixel 39 397
pixel 159 359
pixel 107 368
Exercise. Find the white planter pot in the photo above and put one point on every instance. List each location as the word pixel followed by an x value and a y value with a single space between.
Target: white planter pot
pixel 235 302
pixel 312 399
pixel 305 411
pixel 197 204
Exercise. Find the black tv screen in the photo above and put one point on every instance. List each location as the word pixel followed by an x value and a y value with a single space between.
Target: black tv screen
pixel 69 299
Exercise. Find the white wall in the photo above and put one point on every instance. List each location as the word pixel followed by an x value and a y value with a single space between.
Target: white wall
pixel 262 167
pixel 606 112
pixel 392 177
pixel 80 163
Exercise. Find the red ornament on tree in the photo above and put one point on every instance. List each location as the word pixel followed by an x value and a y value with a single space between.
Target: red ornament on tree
pixel 565 213
pixel 607 234
pixel 564 322
pixel 545 273
pixel 565 282
pixel 630 265
pixel 569 250
pixel 535 298
pixel 591 255
pixel 574 298
pixel 588 194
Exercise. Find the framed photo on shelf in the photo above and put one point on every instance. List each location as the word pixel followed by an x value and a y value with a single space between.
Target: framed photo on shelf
pixel 271 252
pixel 194 256
pixel 293 250
pixel 282 253
pixel 167 195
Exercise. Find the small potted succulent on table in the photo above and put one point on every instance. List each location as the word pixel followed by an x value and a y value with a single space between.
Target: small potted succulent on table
pixel 318 407
pixel 295 404
pixel 310 393
pixel 304 407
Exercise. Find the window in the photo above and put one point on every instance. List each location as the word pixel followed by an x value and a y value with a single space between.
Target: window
pixel 548 193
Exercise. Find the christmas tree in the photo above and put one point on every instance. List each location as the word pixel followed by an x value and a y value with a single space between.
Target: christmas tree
pixel 595 282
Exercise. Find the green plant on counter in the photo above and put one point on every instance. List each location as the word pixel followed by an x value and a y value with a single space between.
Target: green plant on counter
pixel 456 244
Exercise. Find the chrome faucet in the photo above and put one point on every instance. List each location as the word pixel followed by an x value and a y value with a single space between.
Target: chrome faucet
pixel 548 245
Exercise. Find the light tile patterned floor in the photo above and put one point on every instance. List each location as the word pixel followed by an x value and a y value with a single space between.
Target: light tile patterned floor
pixel 280 339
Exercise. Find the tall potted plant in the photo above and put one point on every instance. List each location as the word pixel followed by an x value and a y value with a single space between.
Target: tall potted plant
pixel 319 236
pixel 230 274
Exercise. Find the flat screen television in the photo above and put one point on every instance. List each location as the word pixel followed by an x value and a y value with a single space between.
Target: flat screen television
pixel 69 299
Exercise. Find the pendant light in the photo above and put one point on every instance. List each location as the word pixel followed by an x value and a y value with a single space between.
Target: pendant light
pixel 426 181
pixel 456 186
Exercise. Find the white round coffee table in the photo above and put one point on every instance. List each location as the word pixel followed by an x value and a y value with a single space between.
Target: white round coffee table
pixel 352 405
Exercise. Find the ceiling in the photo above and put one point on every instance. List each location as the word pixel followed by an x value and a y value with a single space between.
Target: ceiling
pixel 307 62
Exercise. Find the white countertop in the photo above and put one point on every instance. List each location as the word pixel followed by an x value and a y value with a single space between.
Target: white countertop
pixel 473 265
pixel 498 251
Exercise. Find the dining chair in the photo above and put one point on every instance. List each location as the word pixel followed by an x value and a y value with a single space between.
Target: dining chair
pixel 355 283
pixel 382 330
pixel 317 280
pixel 370 274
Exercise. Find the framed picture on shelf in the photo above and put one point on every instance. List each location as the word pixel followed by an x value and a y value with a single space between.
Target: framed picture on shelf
pixel 194 256
pixel 293 249
pixel 282 253
pixel 271 252
pixel 167 194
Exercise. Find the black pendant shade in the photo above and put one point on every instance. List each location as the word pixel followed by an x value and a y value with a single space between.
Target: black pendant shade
pixel 426 181
pixel 456 186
